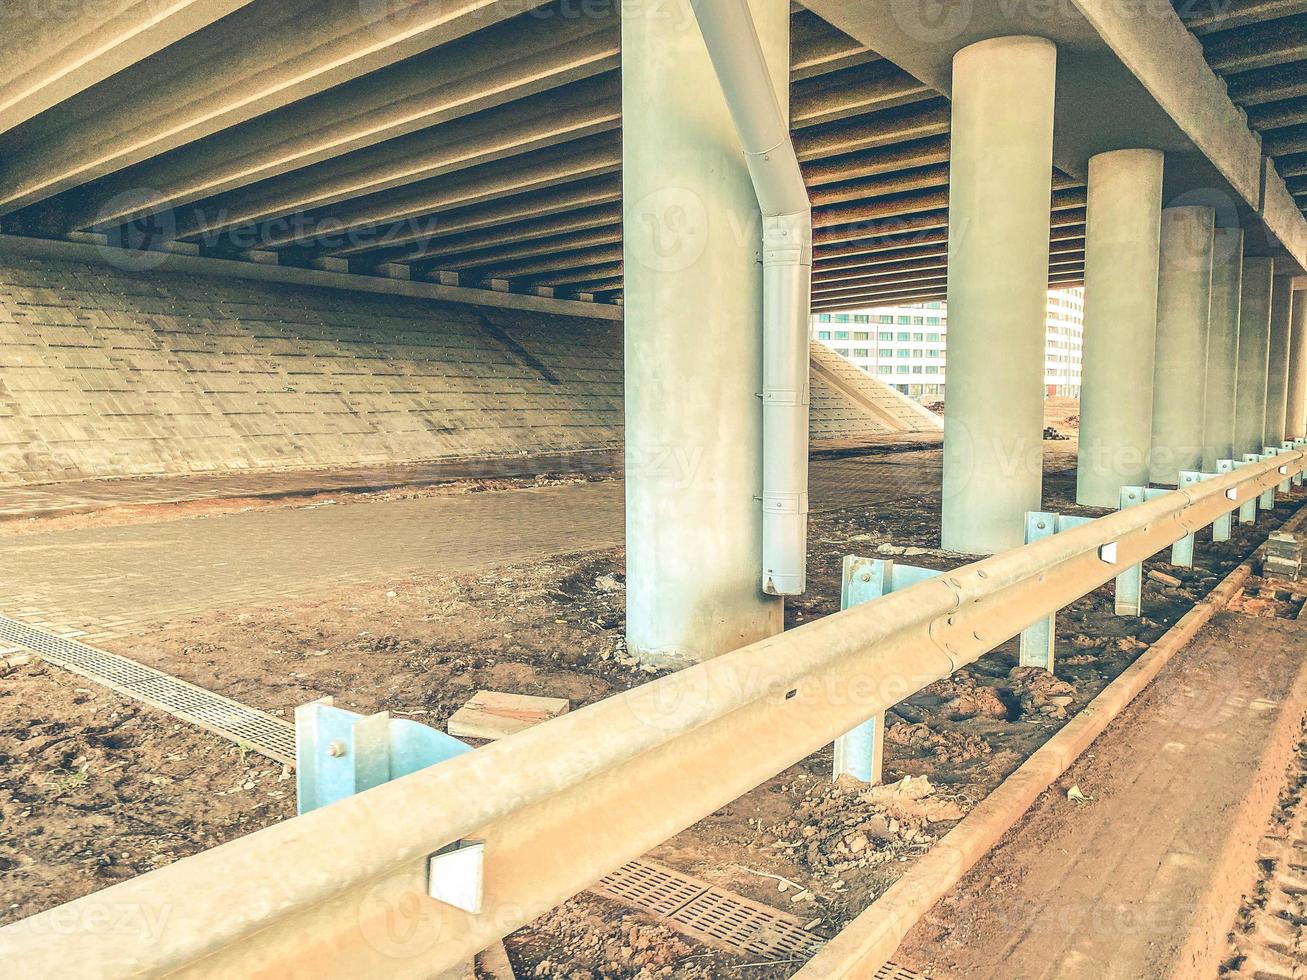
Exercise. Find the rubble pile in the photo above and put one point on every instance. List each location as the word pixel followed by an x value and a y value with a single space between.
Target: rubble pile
pixel 842 825
pixel 1041 695
pixel 597 947
pixel 961 695
pixel 945 746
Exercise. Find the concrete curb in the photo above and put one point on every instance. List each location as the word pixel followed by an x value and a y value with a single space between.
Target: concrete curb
pixel 871 939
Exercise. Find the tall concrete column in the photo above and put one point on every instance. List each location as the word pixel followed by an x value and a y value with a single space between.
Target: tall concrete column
pixel 1254 348
pixel 999 187
pixel 1295 423
pixel 1222 346
pixel 1184 294
pixel 693 344
pixel 1122 231
pixel 1277 365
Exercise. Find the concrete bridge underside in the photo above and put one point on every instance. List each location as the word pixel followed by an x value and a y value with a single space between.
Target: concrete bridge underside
pixel 479 142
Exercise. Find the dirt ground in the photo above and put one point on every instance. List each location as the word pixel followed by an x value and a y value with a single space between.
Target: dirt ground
pixel 95 788
pixel 1124 865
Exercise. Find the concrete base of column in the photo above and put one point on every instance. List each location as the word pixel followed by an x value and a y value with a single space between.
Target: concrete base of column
pixel 1123 226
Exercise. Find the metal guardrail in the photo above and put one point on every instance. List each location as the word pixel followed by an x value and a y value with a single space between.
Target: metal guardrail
pixel 343 891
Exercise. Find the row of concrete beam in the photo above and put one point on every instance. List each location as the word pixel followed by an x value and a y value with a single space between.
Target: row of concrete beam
pixel 1192 350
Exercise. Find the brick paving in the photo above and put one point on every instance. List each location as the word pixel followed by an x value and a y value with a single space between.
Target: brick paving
pixel 110 582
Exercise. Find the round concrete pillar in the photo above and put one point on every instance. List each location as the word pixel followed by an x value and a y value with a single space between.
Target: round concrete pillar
pixel 999 187
pixel 1184 293
pixel 693 344
pixel 1222 346
pixel 1295 423
pixel 1123 225
pixel 1254 347
pixel 1277 364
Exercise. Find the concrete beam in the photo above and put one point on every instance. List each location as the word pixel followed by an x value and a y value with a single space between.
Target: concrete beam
pixel 1276 115
pixel 488 69
pixel 1206 18
pixel 885 159
pixel 881 185
pixel 66 49
pixel 895 216
pixel 579 275
pixel 243 67
pixel 397 218
pixel 551 119
pixel 527 248
pixel 922 294
pixel 191 265
pixel 563 260
pixel 913 122
pixel 1267 85
pixel 1126 78
pixel 853 92
pixel 937 271
pixel 818 48
pixel 587 204
pixel 1263 46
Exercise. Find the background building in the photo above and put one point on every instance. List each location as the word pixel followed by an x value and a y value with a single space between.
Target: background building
pixel 905 346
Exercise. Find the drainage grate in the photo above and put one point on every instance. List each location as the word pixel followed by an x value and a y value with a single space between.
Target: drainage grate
pixel 712 915
pixel 260 731
pixel 892 971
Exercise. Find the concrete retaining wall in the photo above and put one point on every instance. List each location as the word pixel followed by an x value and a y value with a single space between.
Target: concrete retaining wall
pixel 108 373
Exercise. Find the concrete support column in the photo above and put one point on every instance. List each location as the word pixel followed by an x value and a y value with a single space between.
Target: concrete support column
pixel 1184 294
pixel 1277 365
pixel 999 187
pixel 1222 346
pixel 1123 226
pixel 1295 423
pixel 1254 347
pixel 693 336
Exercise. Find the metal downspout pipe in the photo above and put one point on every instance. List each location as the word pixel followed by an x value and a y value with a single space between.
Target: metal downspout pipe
pixel 737 56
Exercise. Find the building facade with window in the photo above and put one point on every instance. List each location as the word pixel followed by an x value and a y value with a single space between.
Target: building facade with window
pixel 906 346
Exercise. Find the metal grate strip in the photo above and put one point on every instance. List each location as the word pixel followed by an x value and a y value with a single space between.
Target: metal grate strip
pixel 262 732
pixel 712 915
pixel 892 971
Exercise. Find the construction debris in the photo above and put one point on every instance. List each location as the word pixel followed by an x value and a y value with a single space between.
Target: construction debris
pixel 1283 557
pixel 1165 579
pixel 493 714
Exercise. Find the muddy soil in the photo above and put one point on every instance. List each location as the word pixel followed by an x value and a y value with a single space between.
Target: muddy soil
pixel 1270 933
pixel 128 789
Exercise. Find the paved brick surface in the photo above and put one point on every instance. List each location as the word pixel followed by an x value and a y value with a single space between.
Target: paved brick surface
pixel 108 582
